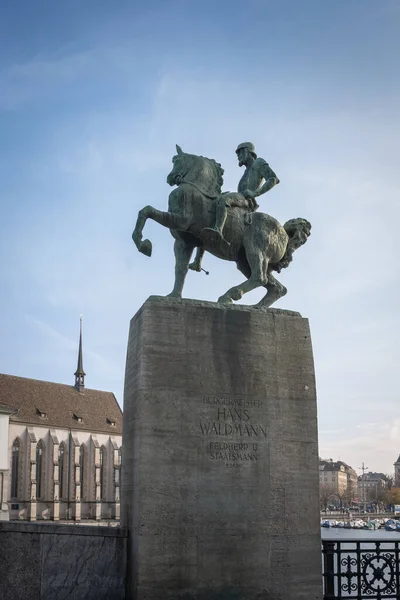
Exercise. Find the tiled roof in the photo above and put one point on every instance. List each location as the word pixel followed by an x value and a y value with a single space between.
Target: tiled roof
pixel 330 465
pixel 5 409
pixel 372 476
pixel 60 405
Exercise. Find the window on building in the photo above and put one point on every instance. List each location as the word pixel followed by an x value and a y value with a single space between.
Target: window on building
pixel 102 472
pixel 120 457
pixel 39 469
pixel 61 466
pixel 82 466
pixel 15 469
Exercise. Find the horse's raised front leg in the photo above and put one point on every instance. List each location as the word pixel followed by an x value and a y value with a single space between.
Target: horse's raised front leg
pixel 168 219
pixel 183 253
pixel 145 247
pixel 275 290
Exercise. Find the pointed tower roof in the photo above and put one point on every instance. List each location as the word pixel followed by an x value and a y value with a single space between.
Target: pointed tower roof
pixel 80 373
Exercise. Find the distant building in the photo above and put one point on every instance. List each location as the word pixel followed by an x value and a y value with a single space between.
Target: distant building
pixel 370 486
pixel 60 450
pixel 397 473
pixel 338 479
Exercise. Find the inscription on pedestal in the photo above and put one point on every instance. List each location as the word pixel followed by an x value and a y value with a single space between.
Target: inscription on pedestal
pixel 238 420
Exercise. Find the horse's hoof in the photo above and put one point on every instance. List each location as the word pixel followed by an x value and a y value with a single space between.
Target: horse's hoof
pixel 225 300
pixel 195 267
pixel 146 247
pixel 261 307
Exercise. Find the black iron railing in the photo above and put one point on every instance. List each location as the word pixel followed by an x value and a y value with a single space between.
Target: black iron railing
pixel 361 569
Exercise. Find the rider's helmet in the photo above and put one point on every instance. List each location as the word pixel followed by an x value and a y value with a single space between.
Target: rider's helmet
pixel 249 146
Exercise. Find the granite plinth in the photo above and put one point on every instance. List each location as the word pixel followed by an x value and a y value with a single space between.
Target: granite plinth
pixel 220 463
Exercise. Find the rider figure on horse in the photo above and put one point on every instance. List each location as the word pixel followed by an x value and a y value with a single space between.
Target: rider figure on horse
pixel 259 245
pixel 257 179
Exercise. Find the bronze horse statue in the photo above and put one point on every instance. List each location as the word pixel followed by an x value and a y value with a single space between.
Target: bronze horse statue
pixel 255 241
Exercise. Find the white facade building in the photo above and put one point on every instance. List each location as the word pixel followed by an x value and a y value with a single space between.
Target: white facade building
pixel 5 412
pixel 60 450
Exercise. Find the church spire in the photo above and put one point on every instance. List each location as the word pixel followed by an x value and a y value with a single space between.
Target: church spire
pixel 80 373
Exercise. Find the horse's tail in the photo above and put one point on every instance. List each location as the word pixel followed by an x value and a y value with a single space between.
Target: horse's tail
pixel 298 231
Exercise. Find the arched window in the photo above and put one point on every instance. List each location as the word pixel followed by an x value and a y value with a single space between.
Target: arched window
pixel 102 472
pixel 40 469
pixel 15 468
pixel 82 466
pixel 61 466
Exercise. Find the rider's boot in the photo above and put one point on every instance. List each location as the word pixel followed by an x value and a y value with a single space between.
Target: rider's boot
pixel 220 218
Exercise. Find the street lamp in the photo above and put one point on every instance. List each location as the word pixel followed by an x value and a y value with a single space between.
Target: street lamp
pixel 364 468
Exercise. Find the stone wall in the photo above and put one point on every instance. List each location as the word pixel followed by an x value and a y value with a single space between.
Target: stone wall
pixel 53 562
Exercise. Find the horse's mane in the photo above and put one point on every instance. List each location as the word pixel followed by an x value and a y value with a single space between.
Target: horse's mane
pixel 219 170
pixel 205 173
pixel 298 231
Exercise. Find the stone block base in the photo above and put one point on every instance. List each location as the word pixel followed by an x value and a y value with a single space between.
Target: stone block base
pixel 220 460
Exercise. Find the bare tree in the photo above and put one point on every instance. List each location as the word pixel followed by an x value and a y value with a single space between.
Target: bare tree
pixel 325 493
pixel 389 481
pixel 378 494
pixel 382 497
pixel 343 497
pixel 394 496
pixel 350 494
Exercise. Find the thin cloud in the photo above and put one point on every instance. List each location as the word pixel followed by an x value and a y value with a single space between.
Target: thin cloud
pixel 60 342
pixel 109 119
pixel 379 449
pixel 330 431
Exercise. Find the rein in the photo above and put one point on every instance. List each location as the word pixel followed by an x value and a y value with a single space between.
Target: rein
pixel 198 189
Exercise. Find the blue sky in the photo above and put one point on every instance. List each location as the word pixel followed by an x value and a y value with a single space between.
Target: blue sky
pixel 94 97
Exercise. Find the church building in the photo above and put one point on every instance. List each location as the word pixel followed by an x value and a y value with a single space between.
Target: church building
pixel 60 450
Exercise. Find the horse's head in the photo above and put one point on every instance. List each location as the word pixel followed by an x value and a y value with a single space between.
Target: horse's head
pixel 180 167
pixel 205 173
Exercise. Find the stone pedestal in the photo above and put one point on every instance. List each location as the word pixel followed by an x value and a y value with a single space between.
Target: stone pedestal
pixel 220 460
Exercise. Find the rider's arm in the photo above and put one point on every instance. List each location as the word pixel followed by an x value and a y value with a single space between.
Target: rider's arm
pixel 270 180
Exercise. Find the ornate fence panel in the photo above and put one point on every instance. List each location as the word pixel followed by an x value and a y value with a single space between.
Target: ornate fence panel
pixel 361 569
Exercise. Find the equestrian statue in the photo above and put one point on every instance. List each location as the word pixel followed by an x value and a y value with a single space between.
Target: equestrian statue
pixel 225 224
